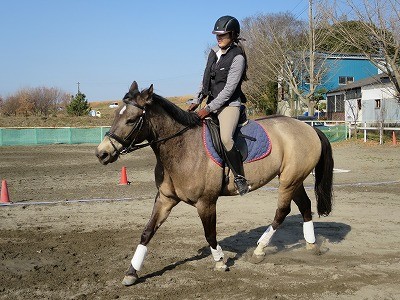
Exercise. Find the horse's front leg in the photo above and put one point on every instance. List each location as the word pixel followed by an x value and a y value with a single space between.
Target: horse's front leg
pixel 161 210
pixel 207 213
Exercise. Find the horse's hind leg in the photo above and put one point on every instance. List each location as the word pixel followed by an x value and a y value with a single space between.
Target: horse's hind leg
pixel 161 210
pixel 304 204
pixel 284 199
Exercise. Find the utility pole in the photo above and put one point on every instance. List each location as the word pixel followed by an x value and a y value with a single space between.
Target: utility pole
pixel 78 83
pixel 311 57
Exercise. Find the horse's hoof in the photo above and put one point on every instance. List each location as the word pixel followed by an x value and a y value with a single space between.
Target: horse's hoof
pixel 314 248
pixel 129 280
pixel 258 252
pixel 256 259
pixel 221 266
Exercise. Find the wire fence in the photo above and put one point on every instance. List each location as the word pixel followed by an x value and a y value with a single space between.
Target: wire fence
pixel 47 136
pixel 334 130
pixel 94 135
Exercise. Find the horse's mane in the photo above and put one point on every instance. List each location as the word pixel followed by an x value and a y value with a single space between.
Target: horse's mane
pixel 181 116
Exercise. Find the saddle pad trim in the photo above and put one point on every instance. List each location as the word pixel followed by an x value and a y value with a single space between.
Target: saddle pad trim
pixel 205 143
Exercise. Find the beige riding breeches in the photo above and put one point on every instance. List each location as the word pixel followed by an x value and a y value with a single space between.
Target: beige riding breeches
pixel 228 119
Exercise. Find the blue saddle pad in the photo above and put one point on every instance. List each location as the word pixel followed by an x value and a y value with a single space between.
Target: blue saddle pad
pixel 257 149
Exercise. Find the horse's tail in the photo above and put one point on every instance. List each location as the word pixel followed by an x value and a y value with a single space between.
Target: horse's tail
pixel 324 176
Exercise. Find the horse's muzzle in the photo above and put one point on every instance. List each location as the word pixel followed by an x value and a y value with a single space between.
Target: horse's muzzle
pixel 105 157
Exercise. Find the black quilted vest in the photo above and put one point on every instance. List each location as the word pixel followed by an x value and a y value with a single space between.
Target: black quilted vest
pixel 216 75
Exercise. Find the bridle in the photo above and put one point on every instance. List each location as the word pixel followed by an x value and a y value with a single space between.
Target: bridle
pixel 129 143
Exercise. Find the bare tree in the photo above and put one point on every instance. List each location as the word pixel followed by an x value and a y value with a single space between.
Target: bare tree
pixel 46 100
pixel 25 103
pixel 1 104
pixel 10 106
pixel 285 50
pixel 381 20
pixel 41 101
pixel 263 33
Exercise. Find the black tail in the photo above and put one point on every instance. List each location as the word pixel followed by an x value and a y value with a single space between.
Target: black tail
pixel 324 176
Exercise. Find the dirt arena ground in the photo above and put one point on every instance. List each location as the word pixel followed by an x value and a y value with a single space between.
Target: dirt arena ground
pixel 72 231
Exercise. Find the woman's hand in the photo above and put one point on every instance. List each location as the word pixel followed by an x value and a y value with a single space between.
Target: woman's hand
pixel 203 113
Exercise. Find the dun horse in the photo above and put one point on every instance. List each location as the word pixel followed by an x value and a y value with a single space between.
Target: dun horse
pixel 184 172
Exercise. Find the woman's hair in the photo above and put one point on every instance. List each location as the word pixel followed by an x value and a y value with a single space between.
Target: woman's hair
pixel 239 43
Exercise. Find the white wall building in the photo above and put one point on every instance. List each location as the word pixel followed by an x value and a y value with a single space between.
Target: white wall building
pixel 370 100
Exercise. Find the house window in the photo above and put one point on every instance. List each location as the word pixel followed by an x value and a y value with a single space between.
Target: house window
pixel 345 79
pixel 377 103
pixel 339 105
pixel 359 104
pixel 335 103
pixel 330 103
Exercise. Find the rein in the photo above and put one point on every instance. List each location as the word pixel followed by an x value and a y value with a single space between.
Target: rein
pixel 130 146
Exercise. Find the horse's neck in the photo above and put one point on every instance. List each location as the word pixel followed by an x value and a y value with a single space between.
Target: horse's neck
pixel 163 126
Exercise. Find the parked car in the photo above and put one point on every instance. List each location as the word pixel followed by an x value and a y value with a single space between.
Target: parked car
pixel 312 121
pixel 113 105
pixel 95 113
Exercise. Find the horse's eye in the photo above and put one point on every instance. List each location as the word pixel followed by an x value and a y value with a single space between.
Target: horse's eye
pixel 130 122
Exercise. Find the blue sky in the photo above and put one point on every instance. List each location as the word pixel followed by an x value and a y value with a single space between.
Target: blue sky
pixel 105 45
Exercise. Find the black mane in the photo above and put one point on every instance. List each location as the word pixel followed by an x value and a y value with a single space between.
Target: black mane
pixel 181 116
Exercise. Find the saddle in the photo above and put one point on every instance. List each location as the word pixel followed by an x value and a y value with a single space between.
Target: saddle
pixel 250 139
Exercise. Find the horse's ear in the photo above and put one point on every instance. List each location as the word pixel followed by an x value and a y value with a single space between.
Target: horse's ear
pixel 147 94
pixel 134 87
pixel 150 89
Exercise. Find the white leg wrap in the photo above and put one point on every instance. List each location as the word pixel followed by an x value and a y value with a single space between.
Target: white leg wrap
pixel 138 257
pixel 217 253
pixel 308 231
pixel 266 237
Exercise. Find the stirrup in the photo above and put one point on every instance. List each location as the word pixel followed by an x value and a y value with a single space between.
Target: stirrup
pixel 241 185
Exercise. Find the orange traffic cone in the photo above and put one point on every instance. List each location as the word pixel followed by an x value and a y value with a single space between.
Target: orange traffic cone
pixel 4 192
pixel 124 177
pixel 394 138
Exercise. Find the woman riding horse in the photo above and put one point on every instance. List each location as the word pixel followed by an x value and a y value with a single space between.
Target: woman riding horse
pixel 177 142
pixel 222 80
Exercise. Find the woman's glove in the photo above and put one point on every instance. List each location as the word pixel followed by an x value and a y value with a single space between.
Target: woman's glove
pixel 202 113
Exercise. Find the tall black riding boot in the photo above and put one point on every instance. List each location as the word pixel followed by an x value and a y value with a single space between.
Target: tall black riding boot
pixel 234 161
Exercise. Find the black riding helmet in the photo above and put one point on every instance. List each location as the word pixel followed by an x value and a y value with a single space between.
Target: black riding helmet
pixel 227 24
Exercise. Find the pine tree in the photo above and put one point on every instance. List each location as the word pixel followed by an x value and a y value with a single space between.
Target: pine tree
pixel 78 106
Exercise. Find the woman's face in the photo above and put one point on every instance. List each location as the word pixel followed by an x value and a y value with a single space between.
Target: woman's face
pixel 224 40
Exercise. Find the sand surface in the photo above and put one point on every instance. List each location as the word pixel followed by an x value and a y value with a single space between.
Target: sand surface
pixel 72 231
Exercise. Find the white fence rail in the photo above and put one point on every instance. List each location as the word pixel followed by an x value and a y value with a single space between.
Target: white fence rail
pixel 366 128
pixel 381 128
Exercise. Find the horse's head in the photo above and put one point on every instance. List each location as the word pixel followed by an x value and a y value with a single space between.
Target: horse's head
pixel 129 127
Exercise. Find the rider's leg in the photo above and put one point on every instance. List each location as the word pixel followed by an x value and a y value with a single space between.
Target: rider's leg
pixel 228 120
